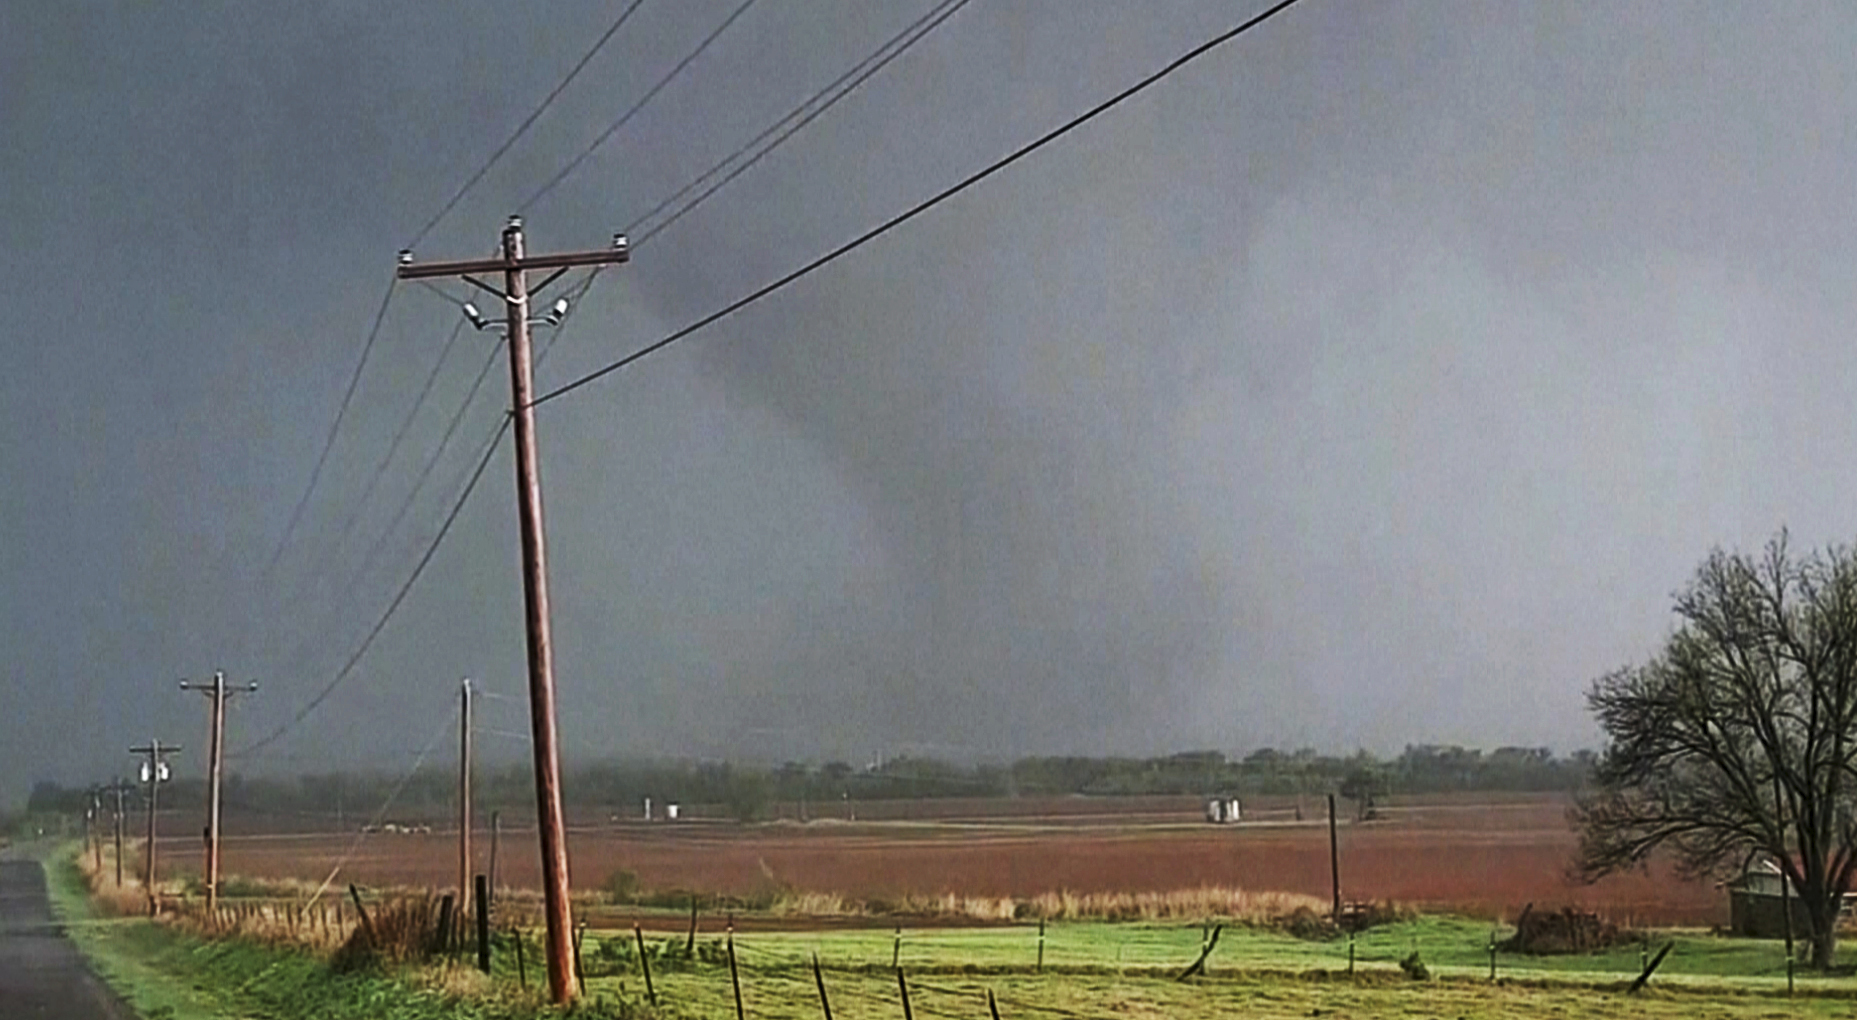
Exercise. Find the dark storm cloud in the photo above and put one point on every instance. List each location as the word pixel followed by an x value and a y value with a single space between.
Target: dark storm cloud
pixel 1373 381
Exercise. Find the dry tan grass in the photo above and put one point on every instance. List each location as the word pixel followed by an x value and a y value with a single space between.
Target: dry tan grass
pixel 1241 905
pixel 127 899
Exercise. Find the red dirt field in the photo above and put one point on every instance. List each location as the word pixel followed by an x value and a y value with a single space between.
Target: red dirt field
pixel 1484 855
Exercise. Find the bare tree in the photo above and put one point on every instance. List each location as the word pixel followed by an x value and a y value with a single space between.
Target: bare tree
pixel 1739 737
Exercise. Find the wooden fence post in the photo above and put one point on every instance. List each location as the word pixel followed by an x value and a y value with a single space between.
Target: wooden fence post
pixel 644 962
pixel 903 986
pixel 367 927
pixel 580 935
pixel 483 923
pixel 819 978
pixel 735 978
pixel 1205 950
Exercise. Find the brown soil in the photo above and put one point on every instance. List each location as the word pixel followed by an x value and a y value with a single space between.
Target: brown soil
pixel 1482 855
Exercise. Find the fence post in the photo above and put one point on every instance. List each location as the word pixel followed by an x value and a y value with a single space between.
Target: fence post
pixel 442 936
pixel 644 961
pixel 903 986
pixel 734 978
pixel 896 949
pixel 1041 947
pixel 992 1007
pixel 689 944
pixel 367 927
pixel 819 978
pixel 483 923
pixel 580 934
pixel 522 966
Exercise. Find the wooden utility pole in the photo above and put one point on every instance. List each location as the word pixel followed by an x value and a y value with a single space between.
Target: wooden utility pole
pixel 93 828
pixel 515 264
pixel 464 800
pixel 154 773
pixel 1334 857
pixel 217 694
pixel 118 787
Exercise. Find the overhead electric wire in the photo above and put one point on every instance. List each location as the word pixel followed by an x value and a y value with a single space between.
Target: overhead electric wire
pixel 371 558
pixel 625 117
pixel 523 128
pixel 385 805
pixel 859 73
pixel 925 205
pixel 335 427
pixel 399 597
pixel 425 473
pixel 399 436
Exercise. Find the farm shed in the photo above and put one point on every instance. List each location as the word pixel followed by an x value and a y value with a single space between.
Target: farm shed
pixel 1223 810
pixel 1757 903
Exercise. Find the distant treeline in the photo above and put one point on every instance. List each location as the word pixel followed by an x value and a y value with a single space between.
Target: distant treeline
pixel 747 791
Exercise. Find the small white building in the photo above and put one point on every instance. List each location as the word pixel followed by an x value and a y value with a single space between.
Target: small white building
pixel 1223 810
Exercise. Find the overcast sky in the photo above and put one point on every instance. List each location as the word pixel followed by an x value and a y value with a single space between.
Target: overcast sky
pixel 1374 380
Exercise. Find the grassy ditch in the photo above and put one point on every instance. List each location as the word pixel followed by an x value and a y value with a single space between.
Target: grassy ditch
pixel 168 974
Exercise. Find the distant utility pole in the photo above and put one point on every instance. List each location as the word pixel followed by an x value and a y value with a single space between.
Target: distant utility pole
pixel 514 264
pixel 93 828
pixel 154 773
pixel 119 787
pixel 464 801
pixel 217 693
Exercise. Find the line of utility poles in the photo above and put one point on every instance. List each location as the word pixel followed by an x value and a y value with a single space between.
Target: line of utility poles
pixel 217 694
pixel 515 265
pixel 154 773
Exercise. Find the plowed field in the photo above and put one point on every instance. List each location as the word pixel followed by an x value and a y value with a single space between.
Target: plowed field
pixel 1485 855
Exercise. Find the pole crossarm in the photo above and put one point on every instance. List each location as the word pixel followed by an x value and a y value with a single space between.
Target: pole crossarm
pixel 618 254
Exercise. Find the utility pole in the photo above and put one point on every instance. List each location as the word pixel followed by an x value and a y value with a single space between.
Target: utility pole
pixel 154 773
pixel 93 828
pixel 514 264
pixel 217 694
pixel 119 787
pixel 464 801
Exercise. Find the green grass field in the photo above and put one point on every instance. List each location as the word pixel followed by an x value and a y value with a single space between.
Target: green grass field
pixel 1449 946
pixel 788 993
pixel 1092 970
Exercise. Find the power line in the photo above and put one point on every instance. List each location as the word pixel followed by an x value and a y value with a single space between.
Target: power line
pixel 330 620
pixel 399 435
pixel 651 94
pixel 523 128
pixel 925 205
pixel 393 606
pixel 859 73
pixel 370 559
pixel 322 459
pixel 425 473
pixel 381 812
pixel 837 89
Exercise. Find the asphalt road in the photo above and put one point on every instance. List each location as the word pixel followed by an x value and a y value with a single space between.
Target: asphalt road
pixel 42 975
